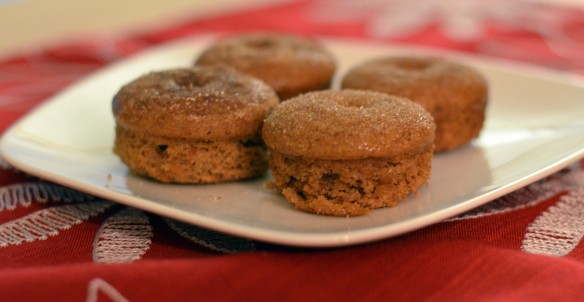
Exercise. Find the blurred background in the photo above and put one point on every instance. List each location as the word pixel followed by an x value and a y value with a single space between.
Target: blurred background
pixel 29 25
pixel 25 24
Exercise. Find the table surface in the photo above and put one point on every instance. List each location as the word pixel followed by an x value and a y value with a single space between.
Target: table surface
pixel 30 23
pixel 57 20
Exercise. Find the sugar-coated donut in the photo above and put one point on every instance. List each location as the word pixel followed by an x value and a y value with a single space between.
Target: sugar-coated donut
pixel 193 125
pixel 343 153
pixel 290 64
pixel 455 94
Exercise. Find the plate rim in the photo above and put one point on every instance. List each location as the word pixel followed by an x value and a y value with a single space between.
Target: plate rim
pixel 274 236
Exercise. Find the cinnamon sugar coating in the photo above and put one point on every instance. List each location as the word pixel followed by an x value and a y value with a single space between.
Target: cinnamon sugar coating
pixel 198 103
pixel 349 124
pixel 455 94
pixel 193 125
pixel 290 64
pixel 344 153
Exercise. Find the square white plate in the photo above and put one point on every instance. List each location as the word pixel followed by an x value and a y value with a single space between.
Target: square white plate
pixel 534 127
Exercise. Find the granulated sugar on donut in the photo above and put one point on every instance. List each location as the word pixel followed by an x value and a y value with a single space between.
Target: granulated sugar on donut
pixel 344 153
pixel 455 94
pixel 290 64
pixel 193 125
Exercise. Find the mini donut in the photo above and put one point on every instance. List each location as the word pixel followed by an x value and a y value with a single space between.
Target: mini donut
pixel 193 125
pixel 455 94
pixel 344 153
pixel 290 64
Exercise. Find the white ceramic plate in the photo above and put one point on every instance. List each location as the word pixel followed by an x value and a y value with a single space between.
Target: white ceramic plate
pixel 533 128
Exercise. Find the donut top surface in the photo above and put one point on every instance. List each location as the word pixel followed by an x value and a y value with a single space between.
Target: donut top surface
pixel 349 124
pixel 199 103
pixel 283 61
pixel 432 82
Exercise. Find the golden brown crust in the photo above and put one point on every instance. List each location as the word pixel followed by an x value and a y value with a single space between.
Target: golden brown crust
pixel 455 94
pixel 182 161
pixel 199 103
pixel 348 124
pixel 348 187
pixel 289 64
pixel 346 152
pixel 193 125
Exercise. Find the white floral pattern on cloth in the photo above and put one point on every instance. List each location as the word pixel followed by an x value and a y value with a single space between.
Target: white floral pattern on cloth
pixel 469 21
pixel 42 224
pixel 47 222
pixel 559 229
pixel 127 234
pixel 124 236
pixel 98 285
pixel 556 231
pixel 457 19
pixel 23 194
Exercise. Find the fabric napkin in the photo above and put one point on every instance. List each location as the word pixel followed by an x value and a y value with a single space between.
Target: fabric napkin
pixel 58 244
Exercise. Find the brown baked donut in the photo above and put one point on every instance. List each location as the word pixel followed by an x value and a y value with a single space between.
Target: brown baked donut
pixel 193 125
pixel 455 94
pixel 290 64
pixel 346 152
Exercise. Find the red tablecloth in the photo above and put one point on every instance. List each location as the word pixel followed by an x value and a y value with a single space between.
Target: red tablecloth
pixel 62 245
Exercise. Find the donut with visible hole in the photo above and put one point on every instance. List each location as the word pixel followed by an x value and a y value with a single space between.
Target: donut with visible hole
pixel 344 153
pixel 193 125
pixel 455 94
pixel 290 64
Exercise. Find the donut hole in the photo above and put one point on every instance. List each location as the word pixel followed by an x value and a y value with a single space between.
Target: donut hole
pixel 189 82
pixel 413 64
pixel 359 103
pixel 179 83
pixel 261 43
